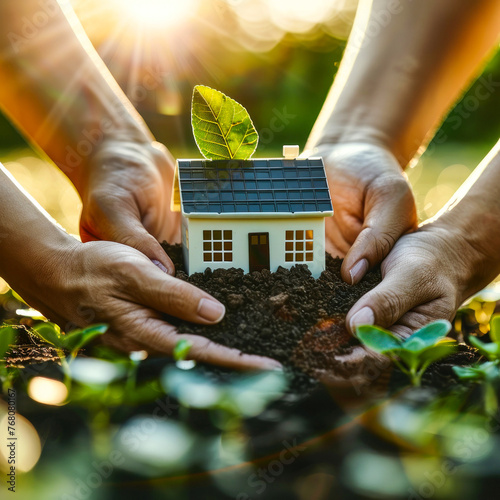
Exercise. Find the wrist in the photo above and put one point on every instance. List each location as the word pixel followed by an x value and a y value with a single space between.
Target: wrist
pixel 79 159
pixel 113 152
pixel 358 126
pixel 470 234
pixel 37 264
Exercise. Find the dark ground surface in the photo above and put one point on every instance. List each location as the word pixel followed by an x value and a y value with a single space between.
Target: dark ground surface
pixel 292 317
pixel 270 314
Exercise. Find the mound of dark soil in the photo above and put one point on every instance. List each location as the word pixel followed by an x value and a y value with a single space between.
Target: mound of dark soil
pixel 270 314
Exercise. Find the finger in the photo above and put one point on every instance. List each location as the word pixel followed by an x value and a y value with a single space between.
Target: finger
pixel 160 336
pixel 397 294
pixel 335 244
pixel 119 343
pixel 150 287
pixel 389 213
pixel 424 314
pixel 125 227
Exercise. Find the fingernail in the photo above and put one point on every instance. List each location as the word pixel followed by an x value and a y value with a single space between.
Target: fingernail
pixel 159 265
pixel 358 271
pixel 211 310
pixel 364 316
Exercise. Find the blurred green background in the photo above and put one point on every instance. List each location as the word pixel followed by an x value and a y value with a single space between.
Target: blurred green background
pixel 277 58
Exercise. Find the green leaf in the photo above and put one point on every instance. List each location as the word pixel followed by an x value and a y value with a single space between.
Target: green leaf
pixel 7 338
pixel 222 127
pixel 408 358
pixel 437 352
pixel 467 373
pixel 181 349
pixel 79 338
pixel 378 339
pixel 491 349
pixel 490 399
pixel 495 328
pixel 427 336
pixel 485 371
pixel 50 333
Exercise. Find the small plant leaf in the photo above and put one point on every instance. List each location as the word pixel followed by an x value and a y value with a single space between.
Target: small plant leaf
pixel 50 333
pixel 438 351
pixel 467 373
pixel 491 349
pixel 427 336
pixel 181 349
pixel 378 339
pixel 490 399
pixel 495 328
pixel 79 338
pixel 485 371
pixel 222 127
pixel 409 358
pixel 7 338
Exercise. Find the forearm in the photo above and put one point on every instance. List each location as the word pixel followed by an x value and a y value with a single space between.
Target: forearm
pixel 57 89
pixel 473 217
pixel 405 64
pixel 30 243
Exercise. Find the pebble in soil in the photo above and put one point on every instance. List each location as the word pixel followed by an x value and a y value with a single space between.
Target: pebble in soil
pixel 270 314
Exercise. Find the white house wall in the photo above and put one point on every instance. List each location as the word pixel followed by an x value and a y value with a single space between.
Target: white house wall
pixel 241 228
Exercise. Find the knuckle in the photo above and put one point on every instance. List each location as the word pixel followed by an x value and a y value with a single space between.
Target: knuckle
pixel 126 272
pixel 380 243
pixel 391 308
pixel 177 295
pixel 383 245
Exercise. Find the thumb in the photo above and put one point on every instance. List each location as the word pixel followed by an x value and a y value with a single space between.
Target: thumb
pixel 390 212
pixel 128 230
pixel 388 302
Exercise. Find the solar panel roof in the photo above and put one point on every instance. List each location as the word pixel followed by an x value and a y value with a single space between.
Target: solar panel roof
pixel 254 186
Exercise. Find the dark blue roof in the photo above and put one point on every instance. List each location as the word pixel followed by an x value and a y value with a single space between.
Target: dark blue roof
pixel 258 186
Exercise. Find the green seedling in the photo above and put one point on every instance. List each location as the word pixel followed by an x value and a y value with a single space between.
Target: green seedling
pixel 72 342
pixel 413 355
pixel 487 373
pixel 490 350
pixel 222 128
pixel 181 349
pixel 7 338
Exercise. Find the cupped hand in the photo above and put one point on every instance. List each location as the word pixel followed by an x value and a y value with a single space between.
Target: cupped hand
pixel 373 205
pixel 126 192
pixel 106 282
pixel 426 277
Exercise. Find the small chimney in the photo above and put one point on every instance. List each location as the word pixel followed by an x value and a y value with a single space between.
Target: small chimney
pixel 290 152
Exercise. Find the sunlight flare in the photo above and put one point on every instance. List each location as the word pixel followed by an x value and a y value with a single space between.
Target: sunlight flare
pixel 158 13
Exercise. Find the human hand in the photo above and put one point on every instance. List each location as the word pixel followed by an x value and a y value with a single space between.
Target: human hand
pixel 126 191
pixel 426 277
pixel 373 205
pixel 106 282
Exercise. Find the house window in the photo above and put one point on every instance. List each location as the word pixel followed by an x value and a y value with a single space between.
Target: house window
pixel 299 246
pixel 218 246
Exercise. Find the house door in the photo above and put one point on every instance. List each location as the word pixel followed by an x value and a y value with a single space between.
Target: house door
pixel 258 251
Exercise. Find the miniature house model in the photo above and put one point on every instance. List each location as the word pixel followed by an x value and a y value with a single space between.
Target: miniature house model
pixel 252 214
